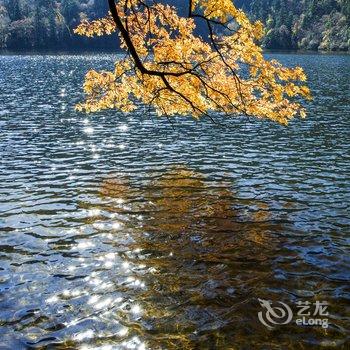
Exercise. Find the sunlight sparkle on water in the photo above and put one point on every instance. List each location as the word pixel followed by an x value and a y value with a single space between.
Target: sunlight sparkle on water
pixel 53 299
pixel 96 281
pixel 94 299
pixel 94 212
pixel 110 256
pixel 104 303
pixel 85 335
pixel 123 127
pixel 88 130
pixel 84 245
pixel 126 265
pixel 103 347
pixel 109 264
pixel 136 309
pixel 76 292
pixel 106 285
pixel 99 225
pixel 116 225
pixel 63 92
pixel 123 332
pixel 134 343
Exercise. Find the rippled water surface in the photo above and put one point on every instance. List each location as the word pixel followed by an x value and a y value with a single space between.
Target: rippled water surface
pixel 129 232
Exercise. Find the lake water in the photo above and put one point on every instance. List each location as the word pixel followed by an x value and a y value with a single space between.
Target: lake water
pixel 131 232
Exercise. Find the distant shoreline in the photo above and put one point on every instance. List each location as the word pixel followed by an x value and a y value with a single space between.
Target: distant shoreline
pixel 48 52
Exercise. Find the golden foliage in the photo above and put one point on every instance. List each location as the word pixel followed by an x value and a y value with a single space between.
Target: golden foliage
pixel 183 74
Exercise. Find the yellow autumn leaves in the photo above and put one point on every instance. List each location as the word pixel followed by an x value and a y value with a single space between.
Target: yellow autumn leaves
pixel 226 73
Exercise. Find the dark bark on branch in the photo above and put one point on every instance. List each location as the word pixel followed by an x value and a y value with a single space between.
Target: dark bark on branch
pixel 164 74
pixel 125 34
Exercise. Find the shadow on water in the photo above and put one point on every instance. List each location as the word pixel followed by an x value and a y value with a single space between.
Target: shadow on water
pixel 195 262
pixel 175 261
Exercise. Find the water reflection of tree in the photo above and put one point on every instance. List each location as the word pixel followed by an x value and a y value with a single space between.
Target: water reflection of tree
pixel 183 203
pixel 201 255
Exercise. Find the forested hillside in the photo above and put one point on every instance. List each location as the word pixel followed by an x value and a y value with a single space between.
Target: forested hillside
pixel 49 23
pixel 303 24
pixel 290 24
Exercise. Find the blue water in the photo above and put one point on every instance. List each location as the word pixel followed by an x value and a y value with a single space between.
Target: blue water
pixel 133 232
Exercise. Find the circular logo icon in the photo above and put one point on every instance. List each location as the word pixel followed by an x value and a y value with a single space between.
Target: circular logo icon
pixel 274 315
